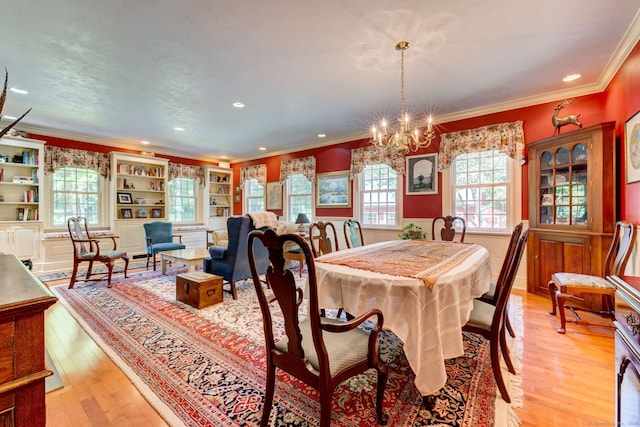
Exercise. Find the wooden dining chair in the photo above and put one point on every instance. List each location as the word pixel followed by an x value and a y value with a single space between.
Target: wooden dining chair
pixel 318 351
pixel 488 320
pixel 581 288
pixel 87 249
pixel 353 233
pixel 447 230
pixel 323 237
pixel 491 296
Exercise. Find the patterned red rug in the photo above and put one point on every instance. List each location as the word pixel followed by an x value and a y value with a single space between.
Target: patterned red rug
pixel 206 367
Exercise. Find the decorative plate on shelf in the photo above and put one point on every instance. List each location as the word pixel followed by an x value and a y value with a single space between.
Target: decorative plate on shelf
pixel 560 179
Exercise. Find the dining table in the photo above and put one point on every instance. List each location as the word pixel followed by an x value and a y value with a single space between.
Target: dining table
pixel 424 288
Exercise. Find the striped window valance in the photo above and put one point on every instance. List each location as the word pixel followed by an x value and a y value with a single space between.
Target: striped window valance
pixel 178 170
pixel 507 138
pixel 372 155
pixel 56 158
pixel 258 172
pixel 304 165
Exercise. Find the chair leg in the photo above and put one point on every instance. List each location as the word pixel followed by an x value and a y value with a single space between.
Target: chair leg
pixel 505 351
pixel 72 281
pixel 497 372
pixel 326 398
pixel 382 384
pixel 233 290
pixel 89 270
pixel 507 323
pixel 268 395
pixel 560 300
pixel 126 265
pixel 552 295
pixel 110 268
pixel 154 262
pixel 147 260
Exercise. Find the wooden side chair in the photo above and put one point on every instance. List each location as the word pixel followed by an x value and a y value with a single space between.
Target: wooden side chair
pixel 320 352
pixel 447 230
pixel 579 288
pixel 322 241
pixel 353 233
pixel 491 296
pixel 87 249
pixel 488 319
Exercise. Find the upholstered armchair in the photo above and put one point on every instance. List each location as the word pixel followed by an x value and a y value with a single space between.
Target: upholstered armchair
pixel 159 236
pixel 232 262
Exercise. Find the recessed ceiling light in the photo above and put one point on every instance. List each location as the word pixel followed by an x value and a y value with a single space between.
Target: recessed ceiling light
pixel 9 117
pixel 262 148
pixel 322 135
pixel 571 77
pixel 145 142
pixel 20 91
pixel 238 104
pixel 178 129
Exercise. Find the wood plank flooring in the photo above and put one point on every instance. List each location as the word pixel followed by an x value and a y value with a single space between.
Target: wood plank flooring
pixel 568 380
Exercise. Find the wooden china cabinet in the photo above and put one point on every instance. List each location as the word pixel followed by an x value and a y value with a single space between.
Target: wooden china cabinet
pixel 572 204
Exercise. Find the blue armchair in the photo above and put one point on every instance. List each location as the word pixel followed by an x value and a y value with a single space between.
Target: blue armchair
pixel 160 238
pixel 232 262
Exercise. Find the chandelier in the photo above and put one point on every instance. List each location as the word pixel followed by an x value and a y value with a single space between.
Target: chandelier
pixel 406 137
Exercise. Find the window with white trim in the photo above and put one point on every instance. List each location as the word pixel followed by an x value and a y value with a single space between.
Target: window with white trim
pixel 482 190
pixel 76 192
pixel 299 197
pixel 378 195
pixel 181 193
pixel 253 195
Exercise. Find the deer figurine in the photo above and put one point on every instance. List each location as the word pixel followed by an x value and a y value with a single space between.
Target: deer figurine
pixel 3 97
pixel 558 122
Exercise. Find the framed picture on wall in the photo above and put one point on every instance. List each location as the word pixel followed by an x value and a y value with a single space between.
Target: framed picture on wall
pixel 274 195
pixel 632 147
pixel 334 190
pixel 422 174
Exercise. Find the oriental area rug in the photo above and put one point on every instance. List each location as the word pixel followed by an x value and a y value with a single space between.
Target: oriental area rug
pixel 207 367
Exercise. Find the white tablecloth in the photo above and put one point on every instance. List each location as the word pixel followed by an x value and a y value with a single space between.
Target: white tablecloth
pixel 429 322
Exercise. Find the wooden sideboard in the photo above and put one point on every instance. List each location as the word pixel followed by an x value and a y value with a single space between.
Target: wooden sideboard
pixel 627 341
pixel 23 300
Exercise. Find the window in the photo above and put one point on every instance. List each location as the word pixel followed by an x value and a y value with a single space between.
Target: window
pixel 253 195
pixel 182 200
pixel 378 196
pixel 299 197
pixel 76 192
pixel 481 190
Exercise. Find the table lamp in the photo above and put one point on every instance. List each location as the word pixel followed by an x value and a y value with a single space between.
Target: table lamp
pixel 301 220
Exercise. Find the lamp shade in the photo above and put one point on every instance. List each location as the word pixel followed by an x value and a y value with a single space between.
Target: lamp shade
pixel 302 219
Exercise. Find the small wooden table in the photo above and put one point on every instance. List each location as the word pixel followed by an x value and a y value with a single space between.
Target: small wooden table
pixel 191 257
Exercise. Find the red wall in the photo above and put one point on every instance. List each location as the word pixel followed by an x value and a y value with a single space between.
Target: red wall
pixel 622 102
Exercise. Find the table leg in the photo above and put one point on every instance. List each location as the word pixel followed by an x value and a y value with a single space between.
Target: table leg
pixel 192 266
pixel 163 262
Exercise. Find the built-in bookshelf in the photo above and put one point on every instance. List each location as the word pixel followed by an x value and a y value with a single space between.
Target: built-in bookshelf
pixel 219 191
pixel 140 186
pixel 21 163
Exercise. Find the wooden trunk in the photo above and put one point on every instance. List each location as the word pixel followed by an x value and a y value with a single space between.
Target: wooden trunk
pixel 199 289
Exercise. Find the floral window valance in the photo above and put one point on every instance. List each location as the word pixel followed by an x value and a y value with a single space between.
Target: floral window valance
pixel 177 170
pixel 258 172
pixel 371 155
pixel 507 138
pixel 56 158
pixel 304 165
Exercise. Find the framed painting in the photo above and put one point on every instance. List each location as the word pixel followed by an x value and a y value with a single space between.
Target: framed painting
pixel 333 190
pixel 422 174
pixel 124 198
pixel 632 147
pixel 156 213
pixel 274 195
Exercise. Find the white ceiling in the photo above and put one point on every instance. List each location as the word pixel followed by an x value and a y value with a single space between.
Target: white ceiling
pixel 121 71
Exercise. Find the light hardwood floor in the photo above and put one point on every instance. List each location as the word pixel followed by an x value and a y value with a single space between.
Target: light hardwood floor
pixel 568 380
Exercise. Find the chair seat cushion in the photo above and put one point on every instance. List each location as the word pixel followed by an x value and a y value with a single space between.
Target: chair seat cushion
pixel 218 252
pixel 575 280
pixel 481 315
pixel 161 247
pixel 491 293
pixel 110 254
pixel 344 348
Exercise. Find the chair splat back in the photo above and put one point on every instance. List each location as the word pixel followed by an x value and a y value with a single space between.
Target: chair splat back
pixel 353 233
pixel 448 230
pixel 321 239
